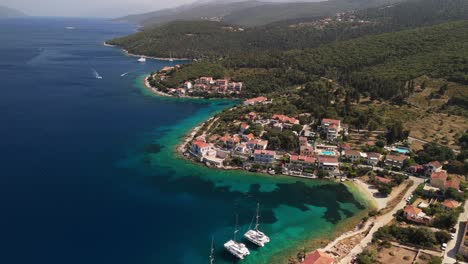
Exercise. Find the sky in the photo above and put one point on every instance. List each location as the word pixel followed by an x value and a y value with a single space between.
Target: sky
pixel 89 8
pixel 100 8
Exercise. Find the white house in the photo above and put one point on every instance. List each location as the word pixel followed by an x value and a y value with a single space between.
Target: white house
pixel 264 156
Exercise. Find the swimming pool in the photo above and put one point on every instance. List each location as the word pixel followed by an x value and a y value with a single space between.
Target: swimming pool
pixel 327 152
pixel 401 150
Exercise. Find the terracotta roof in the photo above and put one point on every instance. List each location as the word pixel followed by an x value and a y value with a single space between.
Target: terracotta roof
pixel 331 121
pixel 284 119
pixel 411 210
pixel 454 183
pixel 352 152
pixel 302 158
pixel 435 164
pixel 256 100
pixel 373 155
pixel 201 144
pixel 449 203
pixel 383 180
pixel 318 257
pixel 327 159
pixel 399 158
pixel 439 175
pixel 244 125
pixel 249 136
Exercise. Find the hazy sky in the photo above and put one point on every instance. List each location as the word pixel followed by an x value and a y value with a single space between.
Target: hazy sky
pixel 95 8
pixel 102 8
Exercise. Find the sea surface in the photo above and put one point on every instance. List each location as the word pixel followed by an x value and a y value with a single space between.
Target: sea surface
pixel 88 172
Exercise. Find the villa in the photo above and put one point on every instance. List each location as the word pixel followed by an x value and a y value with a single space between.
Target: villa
pixel 415 214
pixel 331 127
pixel 373 158
pixel 301 161
pixel 440 180
pixel 395 161
pixel 264 156
pixel 328 163
pixel 450 204
pixel 353 155
pixel 201 148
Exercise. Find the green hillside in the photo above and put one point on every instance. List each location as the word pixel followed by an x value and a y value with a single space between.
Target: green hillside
pixel 208 39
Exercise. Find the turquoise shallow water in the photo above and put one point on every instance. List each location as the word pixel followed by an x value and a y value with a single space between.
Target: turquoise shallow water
pixel 89 171
pixel 294 211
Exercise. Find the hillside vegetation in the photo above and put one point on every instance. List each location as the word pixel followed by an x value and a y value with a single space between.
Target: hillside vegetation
pixel 210 39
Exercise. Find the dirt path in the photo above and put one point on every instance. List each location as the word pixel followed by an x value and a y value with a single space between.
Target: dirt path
pixel 379 222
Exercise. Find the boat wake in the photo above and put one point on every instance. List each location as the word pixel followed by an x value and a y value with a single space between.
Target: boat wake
pixel 96 74
pixel 123 74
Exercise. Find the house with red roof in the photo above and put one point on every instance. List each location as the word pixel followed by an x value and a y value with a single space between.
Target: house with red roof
pixel 264 156
pixel 373 158
pixel 243 127
pixel 414 214
pixel 285 119
pixel 256 100
pixel 439 179
pixel 318 257
pixel 299 161
pixel 353 155
pixel 307 151
pixel 248 137
pixel 200 148
pixel 450 204
pixel 328 163
pixel 331 127
pixel 395 161
pixel 383 180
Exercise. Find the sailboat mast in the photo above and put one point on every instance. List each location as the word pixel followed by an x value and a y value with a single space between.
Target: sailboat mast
pixel 212 251
pixel 235 228
pixel 258 216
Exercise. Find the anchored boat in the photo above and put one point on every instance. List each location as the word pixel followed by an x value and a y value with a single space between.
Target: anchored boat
pixel 237 249
pixel 256 236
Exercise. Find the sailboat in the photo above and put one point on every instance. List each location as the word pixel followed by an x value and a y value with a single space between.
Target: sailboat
pixel 170 57
pixel 256 236
pixel 212 251
pixel 237 249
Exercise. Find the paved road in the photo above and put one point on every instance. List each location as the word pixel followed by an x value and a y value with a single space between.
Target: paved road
pixel 381 221
pixel 380 169
pixel 452 245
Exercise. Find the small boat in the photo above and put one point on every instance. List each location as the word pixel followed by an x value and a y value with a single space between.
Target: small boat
pixel 142 59
pixel 70 28
pixel 96 74
pixel 237 249
pixel 271 172
pixel 256 236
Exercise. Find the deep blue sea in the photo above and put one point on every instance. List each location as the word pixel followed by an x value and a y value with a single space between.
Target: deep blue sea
pixel 88 172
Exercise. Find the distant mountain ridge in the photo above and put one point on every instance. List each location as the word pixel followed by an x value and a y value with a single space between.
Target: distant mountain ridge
pixel 10 12
pixel 250 13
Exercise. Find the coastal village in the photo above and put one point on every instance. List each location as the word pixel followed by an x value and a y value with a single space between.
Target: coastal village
pixel 419 216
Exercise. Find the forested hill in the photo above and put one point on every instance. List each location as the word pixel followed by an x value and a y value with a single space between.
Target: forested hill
pixel 380 65
pixel 208 39
pixel 10 12
pixel 251 13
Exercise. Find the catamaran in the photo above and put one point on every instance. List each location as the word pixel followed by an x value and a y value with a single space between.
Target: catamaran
pixel 236 248
pixel 256 236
